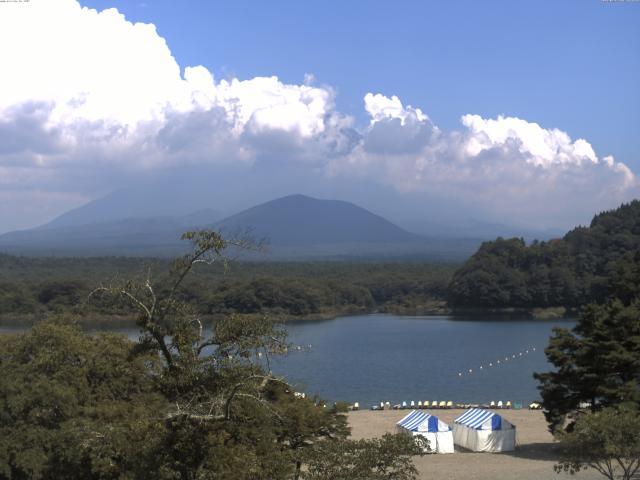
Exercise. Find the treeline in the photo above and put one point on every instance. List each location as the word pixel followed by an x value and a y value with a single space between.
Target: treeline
pixel 585 266
pixel 31 288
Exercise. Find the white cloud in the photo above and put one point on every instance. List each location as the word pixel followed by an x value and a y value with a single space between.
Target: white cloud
pixel 380 108
pixel 57 51
pixel 542 147
pixel 267 103
pixel 509 167
pixel 89 97
pixel 107 78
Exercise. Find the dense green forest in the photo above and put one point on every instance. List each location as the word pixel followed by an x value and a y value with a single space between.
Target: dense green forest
pixel 32 288
pixel 585 266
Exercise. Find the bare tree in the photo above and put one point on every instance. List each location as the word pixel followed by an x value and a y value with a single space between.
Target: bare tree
pixel 206 370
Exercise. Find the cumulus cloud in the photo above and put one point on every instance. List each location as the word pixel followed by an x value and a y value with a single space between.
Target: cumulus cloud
pixel 542 147
pixel 382 108
pixel 89 98
pixel 109 81
pixel 511 167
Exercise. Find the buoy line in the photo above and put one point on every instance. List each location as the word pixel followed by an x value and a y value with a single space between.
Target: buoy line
pixel 498 362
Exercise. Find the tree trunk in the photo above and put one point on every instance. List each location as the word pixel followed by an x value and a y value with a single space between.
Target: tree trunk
pixel 298 468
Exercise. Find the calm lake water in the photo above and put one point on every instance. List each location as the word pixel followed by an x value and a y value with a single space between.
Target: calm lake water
pixel 373 358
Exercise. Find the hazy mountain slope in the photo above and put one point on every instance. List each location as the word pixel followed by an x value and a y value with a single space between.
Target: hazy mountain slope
pixel 174 195
pixel 300 220
pixel 470 228
pixel 131 236
pixel 297 227
pixel 228 190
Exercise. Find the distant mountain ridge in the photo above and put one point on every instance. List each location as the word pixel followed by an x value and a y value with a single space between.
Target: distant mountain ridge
pixel 130 237
pixel 297 227
pixel 301 220
pixel 173 197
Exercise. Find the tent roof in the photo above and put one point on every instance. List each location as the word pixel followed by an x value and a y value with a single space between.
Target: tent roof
pixel 479 419
pixel 420 421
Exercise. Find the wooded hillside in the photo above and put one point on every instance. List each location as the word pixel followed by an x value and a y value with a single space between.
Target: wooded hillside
pixel 584 266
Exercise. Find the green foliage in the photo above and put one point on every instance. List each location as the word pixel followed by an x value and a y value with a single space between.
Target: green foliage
pixel 598 362
pixel 303 421
pixel 74 406
pixel 584 266
pixel 386 458
pixel 35 287
pixel 607 441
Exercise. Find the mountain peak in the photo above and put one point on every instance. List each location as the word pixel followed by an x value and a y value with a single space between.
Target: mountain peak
pixel 303 220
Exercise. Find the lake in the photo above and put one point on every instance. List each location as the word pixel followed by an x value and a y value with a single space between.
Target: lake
pixel 373 358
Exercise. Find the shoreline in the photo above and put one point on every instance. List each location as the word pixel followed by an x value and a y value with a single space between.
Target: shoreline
pixel 535 455
pixel 506 314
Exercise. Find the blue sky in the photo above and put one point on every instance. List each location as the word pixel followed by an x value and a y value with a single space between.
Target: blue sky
pixel 573 64
pixel 519 112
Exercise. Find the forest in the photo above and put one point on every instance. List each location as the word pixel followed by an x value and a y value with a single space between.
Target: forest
pixel 586 265
pixel 33 288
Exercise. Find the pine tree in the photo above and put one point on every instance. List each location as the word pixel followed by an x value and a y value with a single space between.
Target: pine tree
pixel 598 362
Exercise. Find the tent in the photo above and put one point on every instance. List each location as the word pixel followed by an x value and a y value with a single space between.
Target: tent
pixel 437 433
pixel 484 431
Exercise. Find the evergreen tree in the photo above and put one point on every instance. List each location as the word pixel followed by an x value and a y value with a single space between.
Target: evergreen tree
pixel 597 363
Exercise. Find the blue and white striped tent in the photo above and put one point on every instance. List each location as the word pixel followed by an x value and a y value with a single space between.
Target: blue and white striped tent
pixel 437 433
pixel 484 431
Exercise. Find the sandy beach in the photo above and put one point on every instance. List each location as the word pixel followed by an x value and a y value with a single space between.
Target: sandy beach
pixel 533 458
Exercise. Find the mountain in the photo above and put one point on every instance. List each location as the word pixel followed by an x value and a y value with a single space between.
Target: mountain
pixel 472 228
pixel 157 236
pixel 229 189
pixel 300 220
pixel 175 196
pixel 297 227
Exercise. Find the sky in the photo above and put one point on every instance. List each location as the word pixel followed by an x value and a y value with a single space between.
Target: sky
pixel 520 112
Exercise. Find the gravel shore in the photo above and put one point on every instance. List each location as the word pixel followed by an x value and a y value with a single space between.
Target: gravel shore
pixel 533 458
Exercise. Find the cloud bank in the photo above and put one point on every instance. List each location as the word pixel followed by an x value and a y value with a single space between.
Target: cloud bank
pixel 89 99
